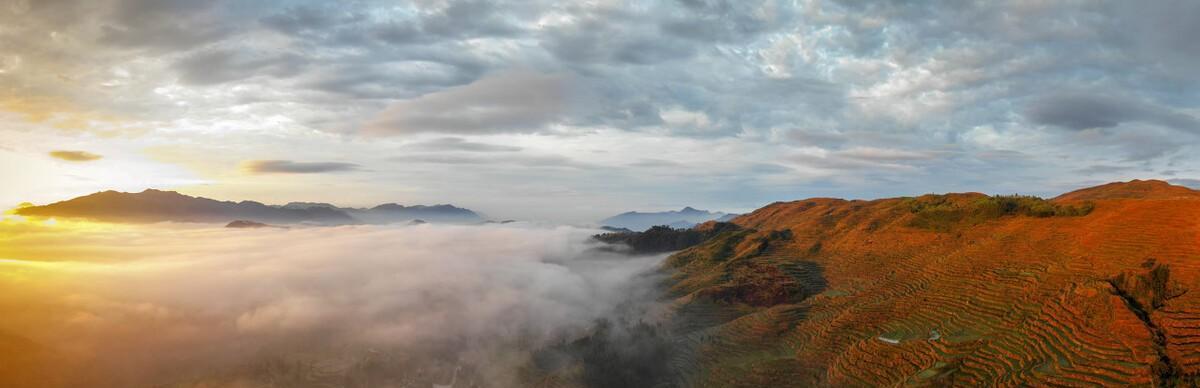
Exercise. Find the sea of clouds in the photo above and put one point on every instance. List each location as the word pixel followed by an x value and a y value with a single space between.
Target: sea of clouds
pixel 200 305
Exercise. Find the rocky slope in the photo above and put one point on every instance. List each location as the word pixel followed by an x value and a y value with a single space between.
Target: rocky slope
pixel 1099 287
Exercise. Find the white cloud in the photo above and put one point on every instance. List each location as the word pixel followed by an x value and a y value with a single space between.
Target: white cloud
pixel 685 119
pixel 207 303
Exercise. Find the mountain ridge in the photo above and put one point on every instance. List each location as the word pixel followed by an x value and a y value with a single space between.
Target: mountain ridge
pixel 152 205
pixel 951 289
pixel 1134 189
pixel 684 218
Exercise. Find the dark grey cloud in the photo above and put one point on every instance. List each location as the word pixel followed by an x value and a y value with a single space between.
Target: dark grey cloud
pixel 648 51
pixel 1102 169
pixel 1080 112
pixel 75 156
pixel 1088 111
pixel 397 33
pixel 299 19
pixel 164 24
pixel 1138 143
pixel 604 36
pixel 291 167
pixel 841 84
pixel 1158 34
pixel 510 102
pixel 393 80
pixel 470 18
pixel 224 65
pixel 597 44
pixel 725 20
pixel 426 23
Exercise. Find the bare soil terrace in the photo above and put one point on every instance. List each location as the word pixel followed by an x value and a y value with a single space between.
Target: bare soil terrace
pixel 1102 289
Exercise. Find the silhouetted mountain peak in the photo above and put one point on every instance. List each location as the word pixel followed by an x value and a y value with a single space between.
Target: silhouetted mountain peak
pixel 158 205
pixel 680 219
pixel 308 205
pixel 389 206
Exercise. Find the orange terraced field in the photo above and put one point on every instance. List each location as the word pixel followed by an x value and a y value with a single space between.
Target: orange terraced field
pixel 1099 287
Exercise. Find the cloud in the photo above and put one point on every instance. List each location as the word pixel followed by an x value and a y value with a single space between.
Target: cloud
pixel 1140 143
pixel 459 144
pixel 247 307
pixel 1102 169
pixel 723 20
pixel 506 102
pixel 471 18
pixel 1157 34
pixel 817 138
pixel 1192 183
pixel 427 23
pixel 1087 111
pixel 858 158
pixel 608 37
pixel 655 163
pixel 219 66
pixel 167 25
pixel 75 156
pixel 761 79
pixel 300 19
pixel 597 35
pixel 522 160
pixel 290 167
pixel 885 154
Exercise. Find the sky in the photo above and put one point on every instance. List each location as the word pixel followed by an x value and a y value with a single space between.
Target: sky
pixel 574 111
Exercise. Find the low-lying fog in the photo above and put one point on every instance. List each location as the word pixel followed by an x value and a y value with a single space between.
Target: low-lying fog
pixel 189 305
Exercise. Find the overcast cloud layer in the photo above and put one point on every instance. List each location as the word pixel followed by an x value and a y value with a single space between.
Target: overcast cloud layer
pixel 576 110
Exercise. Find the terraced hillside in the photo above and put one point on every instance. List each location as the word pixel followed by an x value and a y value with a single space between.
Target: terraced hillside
pixel 1099 287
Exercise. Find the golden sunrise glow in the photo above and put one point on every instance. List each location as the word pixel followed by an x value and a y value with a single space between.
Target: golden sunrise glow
pixel 50 239
pixel 62 114
pixel 600 193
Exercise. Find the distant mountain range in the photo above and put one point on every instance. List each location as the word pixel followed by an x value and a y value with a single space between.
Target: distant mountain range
pixel 681 219
pixel 157 206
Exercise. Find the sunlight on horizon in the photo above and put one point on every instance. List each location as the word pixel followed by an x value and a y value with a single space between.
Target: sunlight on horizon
pixel 599 194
